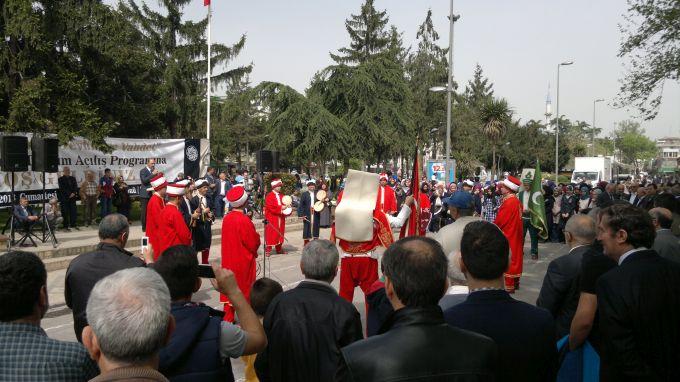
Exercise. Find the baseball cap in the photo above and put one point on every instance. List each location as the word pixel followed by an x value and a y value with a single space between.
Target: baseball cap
pixel 461 200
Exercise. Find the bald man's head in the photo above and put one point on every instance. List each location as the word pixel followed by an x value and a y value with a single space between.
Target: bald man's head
pixel 661 217
pixel 582 230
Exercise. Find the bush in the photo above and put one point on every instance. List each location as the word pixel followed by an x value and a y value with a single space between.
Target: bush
pixel 287 179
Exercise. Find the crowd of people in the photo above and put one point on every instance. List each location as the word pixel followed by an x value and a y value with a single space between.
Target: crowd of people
pixel 440 308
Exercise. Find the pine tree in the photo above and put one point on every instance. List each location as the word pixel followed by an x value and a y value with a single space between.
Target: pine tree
pixel 367 34
pixel 478 90
pixel 427 67
pixel 180 51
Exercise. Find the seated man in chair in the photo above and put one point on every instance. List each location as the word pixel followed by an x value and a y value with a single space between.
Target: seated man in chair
pixel 24 216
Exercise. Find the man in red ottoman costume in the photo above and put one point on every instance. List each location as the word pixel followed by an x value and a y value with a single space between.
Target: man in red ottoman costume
pixel 509 220
pixel 240 242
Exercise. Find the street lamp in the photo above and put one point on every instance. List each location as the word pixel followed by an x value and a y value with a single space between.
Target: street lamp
pixel 557 125
pixel 449 90
pixel 592 128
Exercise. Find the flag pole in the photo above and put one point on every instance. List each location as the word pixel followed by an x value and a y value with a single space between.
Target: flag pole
pixel 209 72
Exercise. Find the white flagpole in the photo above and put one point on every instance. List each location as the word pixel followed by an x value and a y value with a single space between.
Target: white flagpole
pixel 209 71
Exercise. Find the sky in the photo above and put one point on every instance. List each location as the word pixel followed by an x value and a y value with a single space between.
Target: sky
pixel 518 44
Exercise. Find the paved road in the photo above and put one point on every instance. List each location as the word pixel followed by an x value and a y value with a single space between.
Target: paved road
pixel 285 269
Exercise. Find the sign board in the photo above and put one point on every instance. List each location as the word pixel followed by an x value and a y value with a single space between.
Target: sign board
pixel 129 156
pixel 436 169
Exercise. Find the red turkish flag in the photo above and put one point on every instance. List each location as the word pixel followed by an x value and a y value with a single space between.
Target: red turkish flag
pixel 206 2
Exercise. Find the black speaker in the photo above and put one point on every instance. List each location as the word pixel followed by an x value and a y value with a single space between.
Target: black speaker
pixel 45 154
pixel 14 153
pixel 267 161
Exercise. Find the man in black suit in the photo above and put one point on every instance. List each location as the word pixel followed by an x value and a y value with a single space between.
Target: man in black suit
pixel 145 176
pixel 306 326
pixel 212 189
pixel 525 334
pixel 24 214
pixel 642 200
pixel 638 301
pixel 67 195
pixel 607 197
pixel 415 343
pixel 310 230
pixel 560 291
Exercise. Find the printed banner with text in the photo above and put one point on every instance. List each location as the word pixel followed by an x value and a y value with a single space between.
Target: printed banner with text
pixel 126 159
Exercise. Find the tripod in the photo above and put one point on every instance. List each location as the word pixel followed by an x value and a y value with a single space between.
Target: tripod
pixel 47 232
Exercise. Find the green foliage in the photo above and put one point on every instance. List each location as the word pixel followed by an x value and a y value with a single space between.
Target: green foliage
pixel 180 51
pixel 425 68
pixel 632 144
pixel 479 90
pixel 288 180
pixel 302 128
pixel 368 37
pixel 651 43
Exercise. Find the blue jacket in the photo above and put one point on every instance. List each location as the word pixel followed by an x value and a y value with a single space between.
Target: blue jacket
pixel 193 353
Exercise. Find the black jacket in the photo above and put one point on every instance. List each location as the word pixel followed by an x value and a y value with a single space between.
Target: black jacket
pixel 193 352
pixel 306 327
pixel 560 291
pixel 639 307
pixel 525 334
pixel 145 177
pixel 415 344
pixel 88 268
pixel 67 186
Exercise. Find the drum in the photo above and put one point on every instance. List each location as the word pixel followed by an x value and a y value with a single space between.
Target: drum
pixel 321 195
pixel 319 206
pixel 287 200
pixel 287 211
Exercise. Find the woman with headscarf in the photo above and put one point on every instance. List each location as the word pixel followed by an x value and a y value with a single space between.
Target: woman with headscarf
pixel 325 214
pixel 584 198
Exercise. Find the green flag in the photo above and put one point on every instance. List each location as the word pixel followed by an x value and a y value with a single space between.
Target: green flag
pixel 537 205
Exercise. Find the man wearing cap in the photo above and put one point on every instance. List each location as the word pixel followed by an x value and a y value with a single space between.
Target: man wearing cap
pixel 461 208
pixel 240 242
pixel 173 230
pixel 387 199
pixel 276 227
pixel 202 231
pixel 524 197
pixel 153 211
pixel 310 218
pixel 509 220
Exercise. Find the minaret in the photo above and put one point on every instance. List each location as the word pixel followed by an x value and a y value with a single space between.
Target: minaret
pixel 548 109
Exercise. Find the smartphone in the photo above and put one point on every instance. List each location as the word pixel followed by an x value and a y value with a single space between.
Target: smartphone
pixel 205 271
pixel 145 242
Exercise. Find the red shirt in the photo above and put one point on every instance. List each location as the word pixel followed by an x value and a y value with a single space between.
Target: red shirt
pixel 153 215
pixel 240 242
pixel 172 231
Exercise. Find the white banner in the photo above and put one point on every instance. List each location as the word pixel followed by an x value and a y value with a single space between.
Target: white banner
pixel 128 157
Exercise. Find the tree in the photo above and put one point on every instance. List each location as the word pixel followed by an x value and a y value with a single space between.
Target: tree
pixel 478 90
pixel 495 116
pixel 425 68
pixel 367 34
pixel 72 68
pixel 633 144
pixel 301 127
pixel 651 43
pixel 368 89
pixel 180 52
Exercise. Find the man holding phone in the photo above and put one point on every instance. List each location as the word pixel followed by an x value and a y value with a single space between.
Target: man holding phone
pixel 240 242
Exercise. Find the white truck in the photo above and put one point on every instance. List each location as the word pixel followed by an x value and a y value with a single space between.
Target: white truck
pixel 592 170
